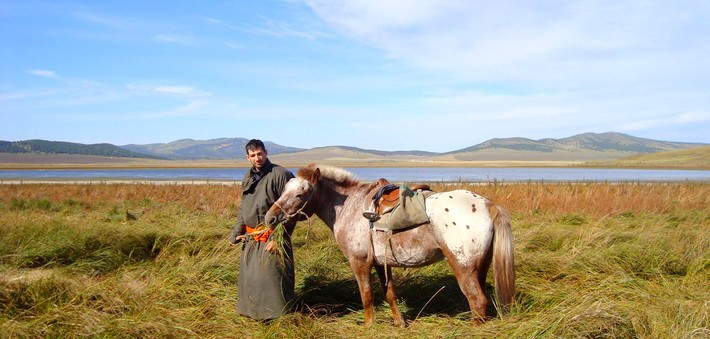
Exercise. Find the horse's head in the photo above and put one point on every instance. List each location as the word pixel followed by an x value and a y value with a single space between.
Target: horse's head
pixel 294 198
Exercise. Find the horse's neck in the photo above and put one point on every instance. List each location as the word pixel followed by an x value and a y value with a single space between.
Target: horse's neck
pixel 337 203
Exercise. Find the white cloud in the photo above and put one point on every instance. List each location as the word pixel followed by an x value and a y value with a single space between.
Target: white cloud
pixel 553 43
pixel 105 20
pixel 191 108
pixel 232 45
pixel 217 22
pixel 177 39
pixel 283 29
pixel 169 90
pixel 43 73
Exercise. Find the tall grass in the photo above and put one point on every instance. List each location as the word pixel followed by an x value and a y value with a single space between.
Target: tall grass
pixel 592 260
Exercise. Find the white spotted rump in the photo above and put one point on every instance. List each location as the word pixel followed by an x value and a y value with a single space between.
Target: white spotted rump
pixel 461 220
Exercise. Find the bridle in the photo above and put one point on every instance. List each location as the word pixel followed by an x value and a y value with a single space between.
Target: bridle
pixel 300 210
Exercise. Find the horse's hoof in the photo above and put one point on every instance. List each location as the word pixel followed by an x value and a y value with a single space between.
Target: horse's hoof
pixel 400 323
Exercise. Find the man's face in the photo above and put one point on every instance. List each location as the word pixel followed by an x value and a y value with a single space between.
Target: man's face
pixel 257 157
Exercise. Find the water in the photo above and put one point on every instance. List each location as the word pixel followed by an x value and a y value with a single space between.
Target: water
pixel 408 174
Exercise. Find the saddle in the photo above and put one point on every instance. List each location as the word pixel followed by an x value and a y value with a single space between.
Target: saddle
pixel 384 197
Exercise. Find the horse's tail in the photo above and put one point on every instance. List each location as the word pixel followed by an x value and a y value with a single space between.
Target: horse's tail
pixel 503 256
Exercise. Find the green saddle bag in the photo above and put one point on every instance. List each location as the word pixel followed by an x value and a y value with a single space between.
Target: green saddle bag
pixel 409 212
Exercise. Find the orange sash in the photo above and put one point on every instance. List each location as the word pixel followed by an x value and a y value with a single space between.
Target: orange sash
pixel 261 237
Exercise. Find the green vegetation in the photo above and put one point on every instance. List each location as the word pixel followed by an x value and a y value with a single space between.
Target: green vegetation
pixel 698 157
pixel 61 147
pixel 592 260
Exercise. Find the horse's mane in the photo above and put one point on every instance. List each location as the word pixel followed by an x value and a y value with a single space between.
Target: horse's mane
pixel 337 175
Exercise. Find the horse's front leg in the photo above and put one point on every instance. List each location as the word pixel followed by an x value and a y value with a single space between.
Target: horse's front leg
pixel 388 287
pixel 362 268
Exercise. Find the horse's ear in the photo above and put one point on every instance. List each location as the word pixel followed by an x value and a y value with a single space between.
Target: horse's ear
pixel 315 176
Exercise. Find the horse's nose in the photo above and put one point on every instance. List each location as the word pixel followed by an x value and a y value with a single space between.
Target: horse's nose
pixel 271 220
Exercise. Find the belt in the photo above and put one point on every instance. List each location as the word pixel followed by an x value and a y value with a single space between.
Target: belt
pixel 261 236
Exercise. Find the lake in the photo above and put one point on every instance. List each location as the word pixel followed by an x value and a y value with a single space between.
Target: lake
pixel 406 174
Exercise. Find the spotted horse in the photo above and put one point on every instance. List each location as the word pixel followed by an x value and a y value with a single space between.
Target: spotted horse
pixel 467 229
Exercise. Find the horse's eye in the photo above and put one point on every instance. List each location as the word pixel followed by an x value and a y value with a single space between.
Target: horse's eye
pixel 298 195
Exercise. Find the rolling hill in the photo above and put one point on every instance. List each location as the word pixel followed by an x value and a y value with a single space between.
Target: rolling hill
pixel 583 148
pixel 221 148
pixel 62 147
pixel 698 157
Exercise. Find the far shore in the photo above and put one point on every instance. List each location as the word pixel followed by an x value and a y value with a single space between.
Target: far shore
pixel 65 161
pixel 232 164
pixel 354 164
pixel 117 182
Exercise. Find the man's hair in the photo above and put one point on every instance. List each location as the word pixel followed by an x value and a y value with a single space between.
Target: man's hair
pixel 253 145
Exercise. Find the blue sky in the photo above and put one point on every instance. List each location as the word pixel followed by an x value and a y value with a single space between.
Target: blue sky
pixel 389 75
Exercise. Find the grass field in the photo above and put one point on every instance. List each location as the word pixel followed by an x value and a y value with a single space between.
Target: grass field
pixel 592 260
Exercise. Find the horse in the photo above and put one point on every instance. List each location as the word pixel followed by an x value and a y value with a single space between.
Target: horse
pixel 465 228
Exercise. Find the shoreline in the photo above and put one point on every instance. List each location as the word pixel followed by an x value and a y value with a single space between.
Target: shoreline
pixel 4 182
pixel 471 164
pixel 118 182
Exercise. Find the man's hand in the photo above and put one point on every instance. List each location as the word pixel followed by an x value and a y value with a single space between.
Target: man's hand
pixel 237 235
pixel 271 246
pixel 237 240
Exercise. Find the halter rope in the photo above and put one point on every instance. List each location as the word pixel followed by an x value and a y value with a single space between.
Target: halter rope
pixel 299 211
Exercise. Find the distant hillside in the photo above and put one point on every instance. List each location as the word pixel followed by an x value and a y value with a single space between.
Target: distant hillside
pixel 587 147
pixel 698 157
pixel 62 147
pixel 222 148
pixel 376 152
pixel 604 142
pixel 582 147
pixel 336 155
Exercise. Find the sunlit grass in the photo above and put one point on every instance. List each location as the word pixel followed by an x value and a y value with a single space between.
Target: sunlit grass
pixel 592 260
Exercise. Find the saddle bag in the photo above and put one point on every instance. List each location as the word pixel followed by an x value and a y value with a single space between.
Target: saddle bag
pixel 410 211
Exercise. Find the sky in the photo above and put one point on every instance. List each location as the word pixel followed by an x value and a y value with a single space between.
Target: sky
pixel 388 75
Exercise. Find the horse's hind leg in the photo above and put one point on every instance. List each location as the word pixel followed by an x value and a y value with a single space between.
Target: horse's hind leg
pixel 468 278
pixel 388 288
pixel 362 275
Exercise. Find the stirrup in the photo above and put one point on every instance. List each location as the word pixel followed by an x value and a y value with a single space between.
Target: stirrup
pixel 371 216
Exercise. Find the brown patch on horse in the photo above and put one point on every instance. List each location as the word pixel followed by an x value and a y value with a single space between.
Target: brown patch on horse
pixel 339 176
pixel 306 172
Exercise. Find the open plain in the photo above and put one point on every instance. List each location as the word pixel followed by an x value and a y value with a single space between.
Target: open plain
pixel 592 260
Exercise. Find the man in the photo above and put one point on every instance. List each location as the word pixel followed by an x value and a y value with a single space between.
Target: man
pixel 266 281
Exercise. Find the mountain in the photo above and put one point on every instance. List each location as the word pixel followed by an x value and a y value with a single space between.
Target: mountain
pixel 581 147
pixel 341 155
pixel 62 147
pixel 222 148
pixel 587 147
pixel 376 152
pixel 604 142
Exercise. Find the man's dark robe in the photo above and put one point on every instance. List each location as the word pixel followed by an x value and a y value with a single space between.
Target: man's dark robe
pixel 266 280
